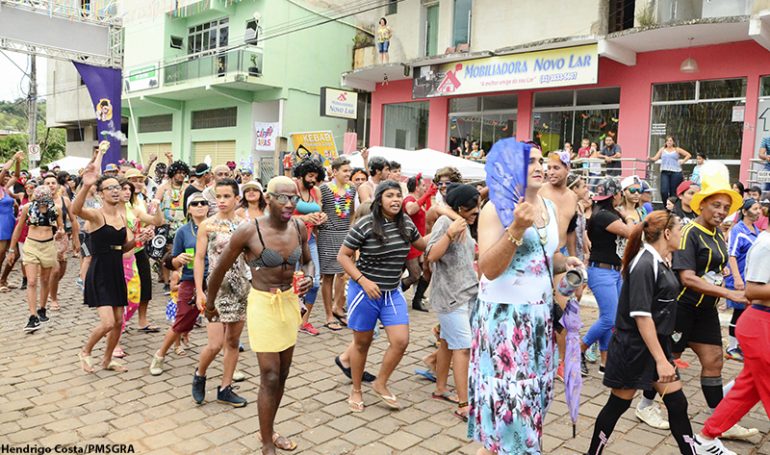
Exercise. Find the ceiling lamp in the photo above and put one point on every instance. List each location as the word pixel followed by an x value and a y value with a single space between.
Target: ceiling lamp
pixel 689 65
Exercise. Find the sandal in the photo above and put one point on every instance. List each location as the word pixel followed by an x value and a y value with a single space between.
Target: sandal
pixel 149 329
pixel 114 365
pixel 86 362
pixel 119 353
pixel 5 289
pixel 461 415
pixel 390 400
pixel 334 326
pixel 179 350
pixel 355 406
pixel 446 396
pixel 288 444
pixel 54 305
pixel 342 318
pixel 425 373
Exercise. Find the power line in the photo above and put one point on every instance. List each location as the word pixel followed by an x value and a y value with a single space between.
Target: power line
pixel 374 4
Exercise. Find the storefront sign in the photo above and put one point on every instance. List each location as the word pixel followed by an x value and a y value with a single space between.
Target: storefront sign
pixel 319 144
pixel 339 103
pixel 658 129
pixel 142 78
pixel 265 135
pixel 542 69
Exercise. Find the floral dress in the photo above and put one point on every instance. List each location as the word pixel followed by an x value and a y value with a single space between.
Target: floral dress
pixel 513 355
pixel 234 291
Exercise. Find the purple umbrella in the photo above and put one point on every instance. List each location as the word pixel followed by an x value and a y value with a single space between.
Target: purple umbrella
pixel 573 381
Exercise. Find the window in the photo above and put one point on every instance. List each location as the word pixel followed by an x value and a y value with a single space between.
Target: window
pixel 431 30
pixel 252 32
pixel 392 7
pixel 75 135
pixel 215 118
pixel 621 15
pixel 208 36
pixel 155 123
pixel 699 114
pixel 461 24
pixel 484 119
pixel 177 42
pixel 571 115
pixel 406 125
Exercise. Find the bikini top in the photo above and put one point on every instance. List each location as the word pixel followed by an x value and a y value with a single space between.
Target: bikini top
pixel 36 217
pixel 270 258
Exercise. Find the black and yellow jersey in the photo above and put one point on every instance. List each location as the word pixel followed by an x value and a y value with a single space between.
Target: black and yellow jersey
pixel 705 252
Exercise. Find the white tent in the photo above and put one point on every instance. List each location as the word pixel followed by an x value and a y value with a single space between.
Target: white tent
pixel 71 164
pixel 427 161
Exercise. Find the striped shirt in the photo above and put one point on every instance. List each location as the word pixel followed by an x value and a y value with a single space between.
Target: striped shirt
pixel 382 263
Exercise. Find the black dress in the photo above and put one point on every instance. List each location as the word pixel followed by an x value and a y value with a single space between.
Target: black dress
pixel 105 284
pixel 654 288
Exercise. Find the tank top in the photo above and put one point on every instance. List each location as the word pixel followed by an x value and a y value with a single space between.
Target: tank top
pixel 306 207
pixel 669 161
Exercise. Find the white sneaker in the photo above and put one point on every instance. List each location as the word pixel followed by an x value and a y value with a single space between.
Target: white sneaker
pixel 156 366
pixel 238 376
pixel 652 416
pixel 739 433
pixel 713 447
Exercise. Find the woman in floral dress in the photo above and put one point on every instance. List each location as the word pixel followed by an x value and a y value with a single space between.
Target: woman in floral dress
pixel 513 354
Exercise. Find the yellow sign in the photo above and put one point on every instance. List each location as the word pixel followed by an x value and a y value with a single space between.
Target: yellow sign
pixel 319 144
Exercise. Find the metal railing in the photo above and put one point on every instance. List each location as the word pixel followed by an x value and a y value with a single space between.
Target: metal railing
pixel 243 61
pixel 758 175
pixel 594 169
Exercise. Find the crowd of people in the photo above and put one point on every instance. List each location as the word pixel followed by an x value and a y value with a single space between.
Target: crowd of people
pixel 486 260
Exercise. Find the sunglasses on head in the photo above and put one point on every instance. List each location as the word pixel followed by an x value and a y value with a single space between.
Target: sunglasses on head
pixel 285 198
pixel 198 203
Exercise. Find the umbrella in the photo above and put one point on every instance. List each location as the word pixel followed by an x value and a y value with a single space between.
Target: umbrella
pixel 507 168
pixel 573 381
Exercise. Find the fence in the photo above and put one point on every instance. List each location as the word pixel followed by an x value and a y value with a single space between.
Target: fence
pixel 594 170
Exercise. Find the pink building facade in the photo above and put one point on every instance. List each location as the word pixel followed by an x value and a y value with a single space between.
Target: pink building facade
pixel 655 79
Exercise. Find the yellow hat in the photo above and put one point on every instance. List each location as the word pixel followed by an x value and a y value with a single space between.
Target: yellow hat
pixel 715 179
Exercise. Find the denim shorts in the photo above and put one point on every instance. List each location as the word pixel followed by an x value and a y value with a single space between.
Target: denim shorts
pixel 383 47
pixel 363 312
pixel 456 328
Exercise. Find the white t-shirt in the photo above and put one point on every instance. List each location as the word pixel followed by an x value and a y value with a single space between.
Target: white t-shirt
pixel 758 260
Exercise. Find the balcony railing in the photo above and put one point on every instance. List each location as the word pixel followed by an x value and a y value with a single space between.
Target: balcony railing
pixel 669 11
pixel 238 61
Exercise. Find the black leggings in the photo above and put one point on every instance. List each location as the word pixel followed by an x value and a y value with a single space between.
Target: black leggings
pixel 734 321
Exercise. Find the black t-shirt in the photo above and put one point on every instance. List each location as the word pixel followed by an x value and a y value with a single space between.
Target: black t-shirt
pixel 654 287
pixel 704 252
pixel 686 217
pixel 604 244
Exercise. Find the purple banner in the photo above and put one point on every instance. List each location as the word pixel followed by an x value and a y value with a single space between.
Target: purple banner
pixel 104 86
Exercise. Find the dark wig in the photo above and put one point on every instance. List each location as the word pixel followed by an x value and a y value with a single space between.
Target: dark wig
pixel 307 166
pixel 177 167
pixel 124 182
pixel 378 219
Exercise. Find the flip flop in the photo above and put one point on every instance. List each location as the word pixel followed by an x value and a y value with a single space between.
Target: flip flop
pixel 461 416
pixel 355 406
pixel 149 329
pixel 390 400
pixel 5 289
pixel 426 374
pixel 343 319
pixel 446 396
pixel 291 444
pixel 331 326
pixel 119 353
pixel 117 367
pixel 179 350
pixel 86 362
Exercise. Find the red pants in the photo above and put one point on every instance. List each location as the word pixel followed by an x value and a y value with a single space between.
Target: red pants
pixel 753 383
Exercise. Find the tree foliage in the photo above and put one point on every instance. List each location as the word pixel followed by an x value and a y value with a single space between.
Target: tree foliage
pixel 13 117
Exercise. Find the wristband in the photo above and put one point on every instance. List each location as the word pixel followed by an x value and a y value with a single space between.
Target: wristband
pixel 359 277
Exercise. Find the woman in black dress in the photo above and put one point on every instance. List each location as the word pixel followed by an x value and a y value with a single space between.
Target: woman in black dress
pixel 639 355
pixel 105 286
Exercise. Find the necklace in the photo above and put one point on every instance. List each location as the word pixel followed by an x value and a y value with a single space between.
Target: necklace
pixel 542 231
pixel 342 209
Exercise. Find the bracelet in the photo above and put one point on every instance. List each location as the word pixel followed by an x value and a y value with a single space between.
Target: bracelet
pixel 513 239
pixel 359 277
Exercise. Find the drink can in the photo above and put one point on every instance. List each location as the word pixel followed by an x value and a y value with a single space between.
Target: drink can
pixel 571 280
pixel 298 276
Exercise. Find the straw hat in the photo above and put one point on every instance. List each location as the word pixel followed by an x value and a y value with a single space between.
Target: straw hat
pixel 715 179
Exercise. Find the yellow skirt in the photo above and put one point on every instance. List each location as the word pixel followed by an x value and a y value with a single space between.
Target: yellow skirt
pixel 272 319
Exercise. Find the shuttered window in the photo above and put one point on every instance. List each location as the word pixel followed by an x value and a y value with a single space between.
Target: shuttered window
pixel 220 152
pixel 158 149
pixel 155 123
pixel 215 118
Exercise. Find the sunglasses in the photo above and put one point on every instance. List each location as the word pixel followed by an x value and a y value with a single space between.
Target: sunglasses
pixel 634 190
pixel 112 188
pixel 285 198
pixel 198 203
pixel 443 184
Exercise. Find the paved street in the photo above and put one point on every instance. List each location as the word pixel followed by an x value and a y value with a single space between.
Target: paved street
pixel 46 399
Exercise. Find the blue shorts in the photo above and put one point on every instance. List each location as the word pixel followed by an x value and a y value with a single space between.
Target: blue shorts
pixel 363 312
pixel 563 250
pixel 383 47
pixel 456 328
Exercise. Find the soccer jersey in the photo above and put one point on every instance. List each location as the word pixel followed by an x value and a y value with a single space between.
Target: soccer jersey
pixel 704 252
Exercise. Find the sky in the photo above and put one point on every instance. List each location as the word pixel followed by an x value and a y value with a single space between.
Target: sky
pixel 10 76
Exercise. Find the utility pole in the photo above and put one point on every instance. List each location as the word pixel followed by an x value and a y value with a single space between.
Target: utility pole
pixel 32 109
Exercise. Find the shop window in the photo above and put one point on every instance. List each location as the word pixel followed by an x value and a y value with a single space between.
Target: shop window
pixel 700 116
pixel 764 86
pixel 570 116
pixel 405 125
pixel 484 119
